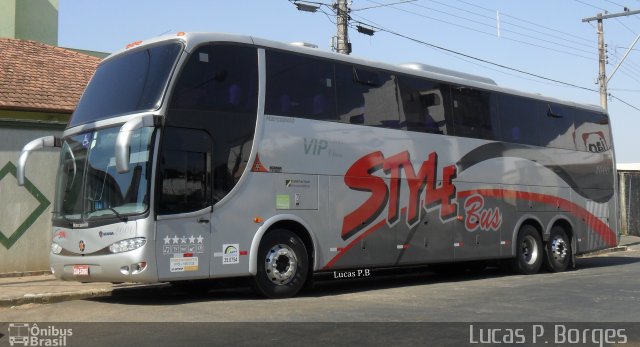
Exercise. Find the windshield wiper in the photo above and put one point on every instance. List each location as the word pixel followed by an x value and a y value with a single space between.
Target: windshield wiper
pixel 121 217
pixel 66 219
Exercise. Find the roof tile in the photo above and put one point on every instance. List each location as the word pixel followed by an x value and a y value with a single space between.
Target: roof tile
pixel 36 76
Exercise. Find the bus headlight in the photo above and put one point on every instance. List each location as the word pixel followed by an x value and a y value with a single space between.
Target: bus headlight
pixel 55 248
pixel 127 245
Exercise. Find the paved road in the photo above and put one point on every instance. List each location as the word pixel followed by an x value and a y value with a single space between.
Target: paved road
pixel 604 288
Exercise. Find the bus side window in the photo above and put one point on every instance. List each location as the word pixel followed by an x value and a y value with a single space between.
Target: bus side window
pixel 556 126
pixel 519 119
pixel 592 132
pixel 299 86
pixel 185 171
pixel 367 97
pixel 425 106
pixel 473 111
pixel 216 78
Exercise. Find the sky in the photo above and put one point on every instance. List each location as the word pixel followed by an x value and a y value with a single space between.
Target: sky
pixel 546 38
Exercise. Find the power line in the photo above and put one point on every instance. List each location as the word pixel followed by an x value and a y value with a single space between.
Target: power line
pixel 493 63
pixel 382 5
pixel 537 25
pixel 624 102
pixel 470 57
pixel 590 5
pixel 623 6
pixel 479 59
pixel 492 34
pixel 502 22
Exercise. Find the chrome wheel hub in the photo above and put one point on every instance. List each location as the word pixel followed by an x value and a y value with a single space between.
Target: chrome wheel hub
pixel 530 250
pixel 281 264
pixel 558 249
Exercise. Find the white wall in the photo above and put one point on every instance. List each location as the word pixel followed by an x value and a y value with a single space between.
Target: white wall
pixel 30 250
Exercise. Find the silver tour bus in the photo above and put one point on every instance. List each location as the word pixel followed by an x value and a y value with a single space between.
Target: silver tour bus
pixel 205 156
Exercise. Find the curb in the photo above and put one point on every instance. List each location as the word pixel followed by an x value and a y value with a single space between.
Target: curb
pixel 51 298
pixel 25 273
pixel 605 251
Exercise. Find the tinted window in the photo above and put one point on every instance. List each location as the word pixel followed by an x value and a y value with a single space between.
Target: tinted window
pixel 134 81
pixel 426 105
pixel 299 86
pixel 519 119
pixel 219 78
pixel 185 174
pixel 556 126
pixel 474 113
pixel 592 131
pixel 367 97
pixel 218 91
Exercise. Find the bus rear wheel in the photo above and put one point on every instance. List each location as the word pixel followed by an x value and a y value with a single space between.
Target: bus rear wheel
pixel 528 251
pixel 557 250
pixel 282 265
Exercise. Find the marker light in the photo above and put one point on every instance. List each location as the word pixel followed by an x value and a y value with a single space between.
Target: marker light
pixel 258 220
pixel 133 44
pixel 127 245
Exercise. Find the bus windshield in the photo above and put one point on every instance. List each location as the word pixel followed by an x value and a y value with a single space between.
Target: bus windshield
pixel 89 187
pixel 134 81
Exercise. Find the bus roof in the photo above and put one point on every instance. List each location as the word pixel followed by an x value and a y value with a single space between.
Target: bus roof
pixel 193 40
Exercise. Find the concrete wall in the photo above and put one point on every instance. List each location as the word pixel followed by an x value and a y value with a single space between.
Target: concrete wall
pixel 35 20
pixel 8 18
pixel 25 212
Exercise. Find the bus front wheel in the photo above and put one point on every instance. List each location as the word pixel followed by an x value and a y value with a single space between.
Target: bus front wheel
pixel 282 265
pixel 529 251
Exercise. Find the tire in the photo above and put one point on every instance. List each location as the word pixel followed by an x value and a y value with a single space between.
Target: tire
pixel 529 251
pixel 557 250
pixel 283 265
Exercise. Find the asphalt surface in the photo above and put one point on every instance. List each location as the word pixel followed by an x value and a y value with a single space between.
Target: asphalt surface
pixel 43 288
pixel 387 308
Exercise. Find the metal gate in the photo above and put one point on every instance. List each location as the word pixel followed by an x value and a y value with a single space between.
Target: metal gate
pixel 629 184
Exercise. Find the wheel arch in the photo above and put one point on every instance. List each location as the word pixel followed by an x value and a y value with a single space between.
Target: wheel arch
pixel 292 223
pixel 525 220
pixel 563 222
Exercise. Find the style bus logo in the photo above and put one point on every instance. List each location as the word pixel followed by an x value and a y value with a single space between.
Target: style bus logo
pixel 426 192
pixel 424 189
pixel 486 219
pixel 25 334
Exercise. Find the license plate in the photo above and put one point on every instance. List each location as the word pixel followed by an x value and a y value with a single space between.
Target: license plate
pixel 81 270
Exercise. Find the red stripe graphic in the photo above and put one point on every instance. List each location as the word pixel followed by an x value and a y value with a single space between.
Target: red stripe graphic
pixel 344 250
pixel 593 222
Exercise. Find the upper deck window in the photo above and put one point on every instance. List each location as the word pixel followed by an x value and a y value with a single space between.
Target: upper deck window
pixel 131 82
pixel 300 86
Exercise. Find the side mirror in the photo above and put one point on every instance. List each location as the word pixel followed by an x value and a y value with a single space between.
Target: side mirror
pixel 123 141
pixel 47 141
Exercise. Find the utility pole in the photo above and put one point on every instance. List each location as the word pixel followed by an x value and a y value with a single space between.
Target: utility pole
pixel 602 64
pixel 342 13
pixel 602 52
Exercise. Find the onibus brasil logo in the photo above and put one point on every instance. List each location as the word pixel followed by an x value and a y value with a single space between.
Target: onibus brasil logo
pixel 25 334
